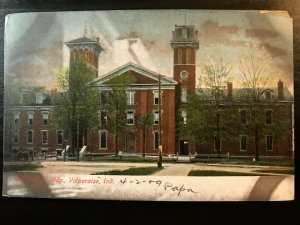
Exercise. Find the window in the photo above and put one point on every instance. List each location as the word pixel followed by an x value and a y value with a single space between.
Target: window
pixel 183 94
pixel 104 97
pixel 243 118
pixel 130 97
pixel 44 137
pixel 188 56
pixel 217 143
pixel 268 117
pixel 156 140
pixel 29 137
pixel 130 117
pixel 183 116
pixel 156 117
pixel 103 139
pixel 59 135
pixel 16 137
pixel 16 118
pixel 179 56
pixel 30 118
pixel 268 94
pixel 156 97
pixel 243 143
pixel 269 143
pixel 103 118
pixel 45 118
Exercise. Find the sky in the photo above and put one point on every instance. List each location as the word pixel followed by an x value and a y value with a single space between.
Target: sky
pixel 35 49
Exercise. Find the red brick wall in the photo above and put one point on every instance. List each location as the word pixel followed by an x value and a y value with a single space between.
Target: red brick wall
pixel 144 104
pixel 37 128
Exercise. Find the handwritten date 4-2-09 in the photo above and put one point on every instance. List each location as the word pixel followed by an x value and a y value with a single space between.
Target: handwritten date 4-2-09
pixel 166 185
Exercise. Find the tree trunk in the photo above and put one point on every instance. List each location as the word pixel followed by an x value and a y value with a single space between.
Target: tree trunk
pixel 218 135
pixel 144 141
pixel 256 145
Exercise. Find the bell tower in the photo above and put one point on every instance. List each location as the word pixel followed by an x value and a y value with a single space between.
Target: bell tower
pixel 86 47
pixel 184 44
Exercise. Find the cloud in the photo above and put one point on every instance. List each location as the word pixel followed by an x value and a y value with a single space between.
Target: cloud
pixel 211 33
pixel 261 33
pixel 274 51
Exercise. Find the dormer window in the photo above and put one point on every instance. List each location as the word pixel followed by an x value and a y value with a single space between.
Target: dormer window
pixel 39 98
pixel 268 94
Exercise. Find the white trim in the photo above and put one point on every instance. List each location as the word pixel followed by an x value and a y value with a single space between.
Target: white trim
pixel 155 131
pixel 131 99
pixel 45 113
pixel 31 137
pixel 161 97
pixel 132 67
pixel 269 110
pixel 62 137
pixel 180 64
pixel 133 114
pixel 215 144
pixel 103 110
pixel 46 137
pixel 30 113
pixel 136 87
pixel 184 77
pixel 183 98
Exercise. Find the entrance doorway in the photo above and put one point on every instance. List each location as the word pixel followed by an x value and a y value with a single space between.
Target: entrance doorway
pixel 184 147
pixel 130 143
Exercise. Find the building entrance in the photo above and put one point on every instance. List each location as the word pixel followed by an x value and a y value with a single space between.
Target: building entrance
pixel 130 143
pixel 184 147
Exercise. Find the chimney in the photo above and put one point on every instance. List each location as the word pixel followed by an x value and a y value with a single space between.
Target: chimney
pixel 229 90
pixel 280 90
pixel 53 94
pixel 24 95
pixel 97 39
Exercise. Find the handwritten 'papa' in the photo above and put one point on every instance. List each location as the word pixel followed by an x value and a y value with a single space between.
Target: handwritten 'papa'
pixel 167 186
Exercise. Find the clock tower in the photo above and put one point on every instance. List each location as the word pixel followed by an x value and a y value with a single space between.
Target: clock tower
pixel 184 44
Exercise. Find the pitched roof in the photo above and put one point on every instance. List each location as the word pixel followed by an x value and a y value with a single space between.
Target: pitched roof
pixel 236 93
pixel 80 40
pixel 152 77
pixel 84 40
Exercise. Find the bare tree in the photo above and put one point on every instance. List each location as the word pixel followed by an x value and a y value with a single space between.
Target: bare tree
pixel 255 77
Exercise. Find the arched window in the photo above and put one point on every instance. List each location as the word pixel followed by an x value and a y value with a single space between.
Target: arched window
pixel 188 56
pixel 179 56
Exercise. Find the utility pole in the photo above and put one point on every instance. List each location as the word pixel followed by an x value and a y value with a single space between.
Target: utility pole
pixel 77 138
pixel 159 163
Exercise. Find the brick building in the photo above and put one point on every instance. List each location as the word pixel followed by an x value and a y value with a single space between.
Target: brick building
pixel 142 99
pixel 29 123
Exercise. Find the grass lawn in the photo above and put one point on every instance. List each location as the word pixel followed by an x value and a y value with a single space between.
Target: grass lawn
pixel 139 171
pixel 220 173
pixel 29 166
pixel 287 171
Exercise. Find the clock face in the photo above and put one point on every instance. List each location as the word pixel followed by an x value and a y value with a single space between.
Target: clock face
pixel 184 74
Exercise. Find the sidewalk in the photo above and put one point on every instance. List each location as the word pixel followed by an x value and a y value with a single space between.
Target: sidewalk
pixel 175 170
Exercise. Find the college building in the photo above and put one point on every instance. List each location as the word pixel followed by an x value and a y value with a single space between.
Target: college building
pixel 33 128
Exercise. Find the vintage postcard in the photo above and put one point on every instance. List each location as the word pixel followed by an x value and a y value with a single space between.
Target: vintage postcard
pixel 156 105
